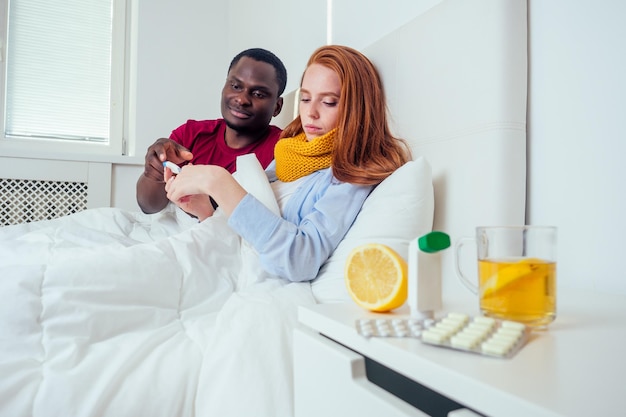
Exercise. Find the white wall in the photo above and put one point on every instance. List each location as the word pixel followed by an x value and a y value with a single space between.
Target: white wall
pixel 181 63
pixel 359 23
pixel 577 139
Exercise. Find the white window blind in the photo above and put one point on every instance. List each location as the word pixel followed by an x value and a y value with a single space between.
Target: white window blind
pixel 59 69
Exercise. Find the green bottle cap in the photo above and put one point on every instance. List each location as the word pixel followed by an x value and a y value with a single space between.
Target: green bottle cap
pixel 434 242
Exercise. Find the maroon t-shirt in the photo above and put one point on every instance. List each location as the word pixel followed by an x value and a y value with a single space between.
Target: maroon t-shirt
pixel 205 139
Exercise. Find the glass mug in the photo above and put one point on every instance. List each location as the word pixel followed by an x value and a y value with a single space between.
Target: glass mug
pixel 516 273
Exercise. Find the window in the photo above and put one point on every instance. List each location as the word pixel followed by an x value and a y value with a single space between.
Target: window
pixel 64 75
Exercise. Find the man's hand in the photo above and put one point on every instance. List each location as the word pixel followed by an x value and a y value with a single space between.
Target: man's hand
pixel 162 150
pixel 151 195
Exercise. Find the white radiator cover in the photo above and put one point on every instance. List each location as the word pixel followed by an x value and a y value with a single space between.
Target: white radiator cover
pixel 23 201
pixel 40 189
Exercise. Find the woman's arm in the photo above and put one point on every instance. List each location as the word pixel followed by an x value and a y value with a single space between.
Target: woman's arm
pixel 296 248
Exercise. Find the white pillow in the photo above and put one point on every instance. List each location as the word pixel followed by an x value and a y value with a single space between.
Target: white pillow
pixel 399 209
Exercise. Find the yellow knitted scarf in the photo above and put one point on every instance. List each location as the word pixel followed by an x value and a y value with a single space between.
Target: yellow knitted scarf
pixel 296 157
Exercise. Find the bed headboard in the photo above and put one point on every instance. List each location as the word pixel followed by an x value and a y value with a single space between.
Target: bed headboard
pixel 455 79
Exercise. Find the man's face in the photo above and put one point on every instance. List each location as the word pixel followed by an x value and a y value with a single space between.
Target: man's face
pixel 250 96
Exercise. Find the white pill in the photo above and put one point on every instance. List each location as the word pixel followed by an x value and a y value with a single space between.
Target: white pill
pixel 433 336
pixel 495 348
pixel 463 342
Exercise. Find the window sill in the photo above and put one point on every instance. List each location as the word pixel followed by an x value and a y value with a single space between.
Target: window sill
pixel 66 156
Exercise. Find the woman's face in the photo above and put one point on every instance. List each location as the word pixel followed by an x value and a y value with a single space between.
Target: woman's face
pixel 319 101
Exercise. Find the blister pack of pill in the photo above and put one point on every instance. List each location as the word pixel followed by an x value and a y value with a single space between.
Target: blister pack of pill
pixel 395 327
pixel 481 335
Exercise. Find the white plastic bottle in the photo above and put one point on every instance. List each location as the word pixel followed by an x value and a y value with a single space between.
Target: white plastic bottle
pixel 424 287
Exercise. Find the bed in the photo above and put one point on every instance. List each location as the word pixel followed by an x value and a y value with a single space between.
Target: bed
pixel 108 312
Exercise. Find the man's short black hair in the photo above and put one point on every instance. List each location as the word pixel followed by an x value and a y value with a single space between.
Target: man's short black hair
pixel 263 55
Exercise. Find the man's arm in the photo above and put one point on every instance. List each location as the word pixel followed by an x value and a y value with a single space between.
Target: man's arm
pixel 151 195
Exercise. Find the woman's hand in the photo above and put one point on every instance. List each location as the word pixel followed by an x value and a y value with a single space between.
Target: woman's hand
pixel 203 181
pixel 197 205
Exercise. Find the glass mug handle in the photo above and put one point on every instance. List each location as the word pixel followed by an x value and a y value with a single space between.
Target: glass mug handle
pixel 457 263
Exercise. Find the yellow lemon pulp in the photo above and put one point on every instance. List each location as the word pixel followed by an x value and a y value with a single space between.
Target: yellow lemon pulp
pixel 376 277
pixel 508 273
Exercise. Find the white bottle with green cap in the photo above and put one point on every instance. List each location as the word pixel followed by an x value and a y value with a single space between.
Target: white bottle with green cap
pixel 425 273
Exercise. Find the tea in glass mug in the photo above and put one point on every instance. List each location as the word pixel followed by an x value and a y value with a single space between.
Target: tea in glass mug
pixel 516 273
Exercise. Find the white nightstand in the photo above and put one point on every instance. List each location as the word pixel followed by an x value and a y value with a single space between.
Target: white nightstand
pixel 576 368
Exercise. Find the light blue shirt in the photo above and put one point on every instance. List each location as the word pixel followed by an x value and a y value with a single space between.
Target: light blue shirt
pixel 315 219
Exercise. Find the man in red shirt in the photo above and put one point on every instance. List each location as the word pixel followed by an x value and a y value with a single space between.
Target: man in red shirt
pixel 251 96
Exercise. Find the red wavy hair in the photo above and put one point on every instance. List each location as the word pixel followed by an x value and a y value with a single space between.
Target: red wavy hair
pixel 365 151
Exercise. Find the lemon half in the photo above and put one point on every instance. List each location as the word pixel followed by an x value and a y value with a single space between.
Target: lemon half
pixel 376 277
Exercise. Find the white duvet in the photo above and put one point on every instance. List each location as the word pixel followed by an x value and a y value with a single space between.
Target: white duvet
pixel 111 313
